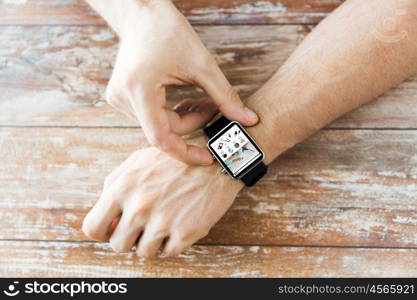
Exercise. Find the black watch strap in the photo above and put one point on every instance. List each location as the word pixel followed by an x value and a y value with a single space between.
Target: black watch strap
pixel 216 126
pixel 252 176
pixel 256 173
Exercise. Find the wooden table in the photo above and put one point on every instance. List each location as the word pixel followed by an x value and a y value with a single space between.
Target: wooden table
pixel 343 203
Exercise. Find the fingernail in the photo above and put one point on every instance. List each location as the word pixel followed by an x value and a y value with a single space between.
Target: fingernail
pixel 250 114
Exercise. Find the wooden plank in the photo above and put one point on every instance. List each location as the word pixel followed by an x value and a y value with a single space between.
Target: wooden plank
pixel 198 12
pixel 74 64
pixel 340 187
pixel 63 259
pixel 56 76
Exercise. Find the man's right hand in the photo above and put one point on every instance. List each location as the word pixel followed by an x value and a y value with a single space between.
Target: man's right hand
pixel 160 48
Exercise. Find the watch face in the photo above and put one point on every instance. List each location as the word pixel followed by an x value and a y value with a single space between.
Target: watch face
pixel 235 149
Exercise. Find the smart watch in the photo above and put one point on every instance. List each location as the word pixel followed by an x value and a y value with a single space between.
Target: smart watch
pixel 236 151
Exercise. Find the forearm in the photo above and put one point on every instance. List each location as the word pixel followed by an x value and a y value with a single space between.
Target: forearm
pixel 348 60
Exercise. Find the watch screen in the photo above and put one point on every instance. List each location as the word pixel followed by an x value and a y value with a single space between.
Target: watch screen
pixel 235 149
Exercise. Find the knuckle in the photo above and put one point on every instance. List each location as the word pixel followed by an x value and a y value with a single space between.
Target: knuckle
pixel 162 226
pixel 231 94
pixel 135 84
pixel 231 100
pixel 158 226
pixel 137 218
pixel 122 187
pixel 205 62
pixel 131 83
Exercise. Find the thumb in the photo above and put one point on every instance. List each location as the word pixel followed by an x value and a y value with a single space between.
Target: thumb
pixel 218 88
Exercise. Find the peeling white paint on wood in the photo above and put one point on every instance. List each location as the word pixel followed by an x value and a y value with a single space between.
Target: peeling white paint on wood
pixel 304 200
pixel 63 259
pixel 198 12
pixel 14 2
pixel 260 8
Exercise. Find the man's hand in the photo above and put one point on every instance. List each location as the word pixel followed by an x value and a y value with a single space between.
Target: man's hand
pixel 164 197
pixel 159 199
pixel 159 48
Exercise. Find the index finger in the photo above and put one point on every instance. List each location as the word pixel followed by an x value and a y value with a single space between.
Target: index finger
pixel 156 126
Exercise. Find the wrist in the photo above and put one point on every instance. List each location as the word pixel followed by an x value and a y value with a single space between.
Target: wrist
pixel 286 116
pixel 123 15
pixel 273 142
pixel 215 169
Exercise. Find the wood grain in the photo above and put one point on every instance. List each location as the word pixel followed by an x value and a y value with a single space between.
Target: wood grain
pixel 63 259
pixel 198 12
pixel 56 76
pixel 340 188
